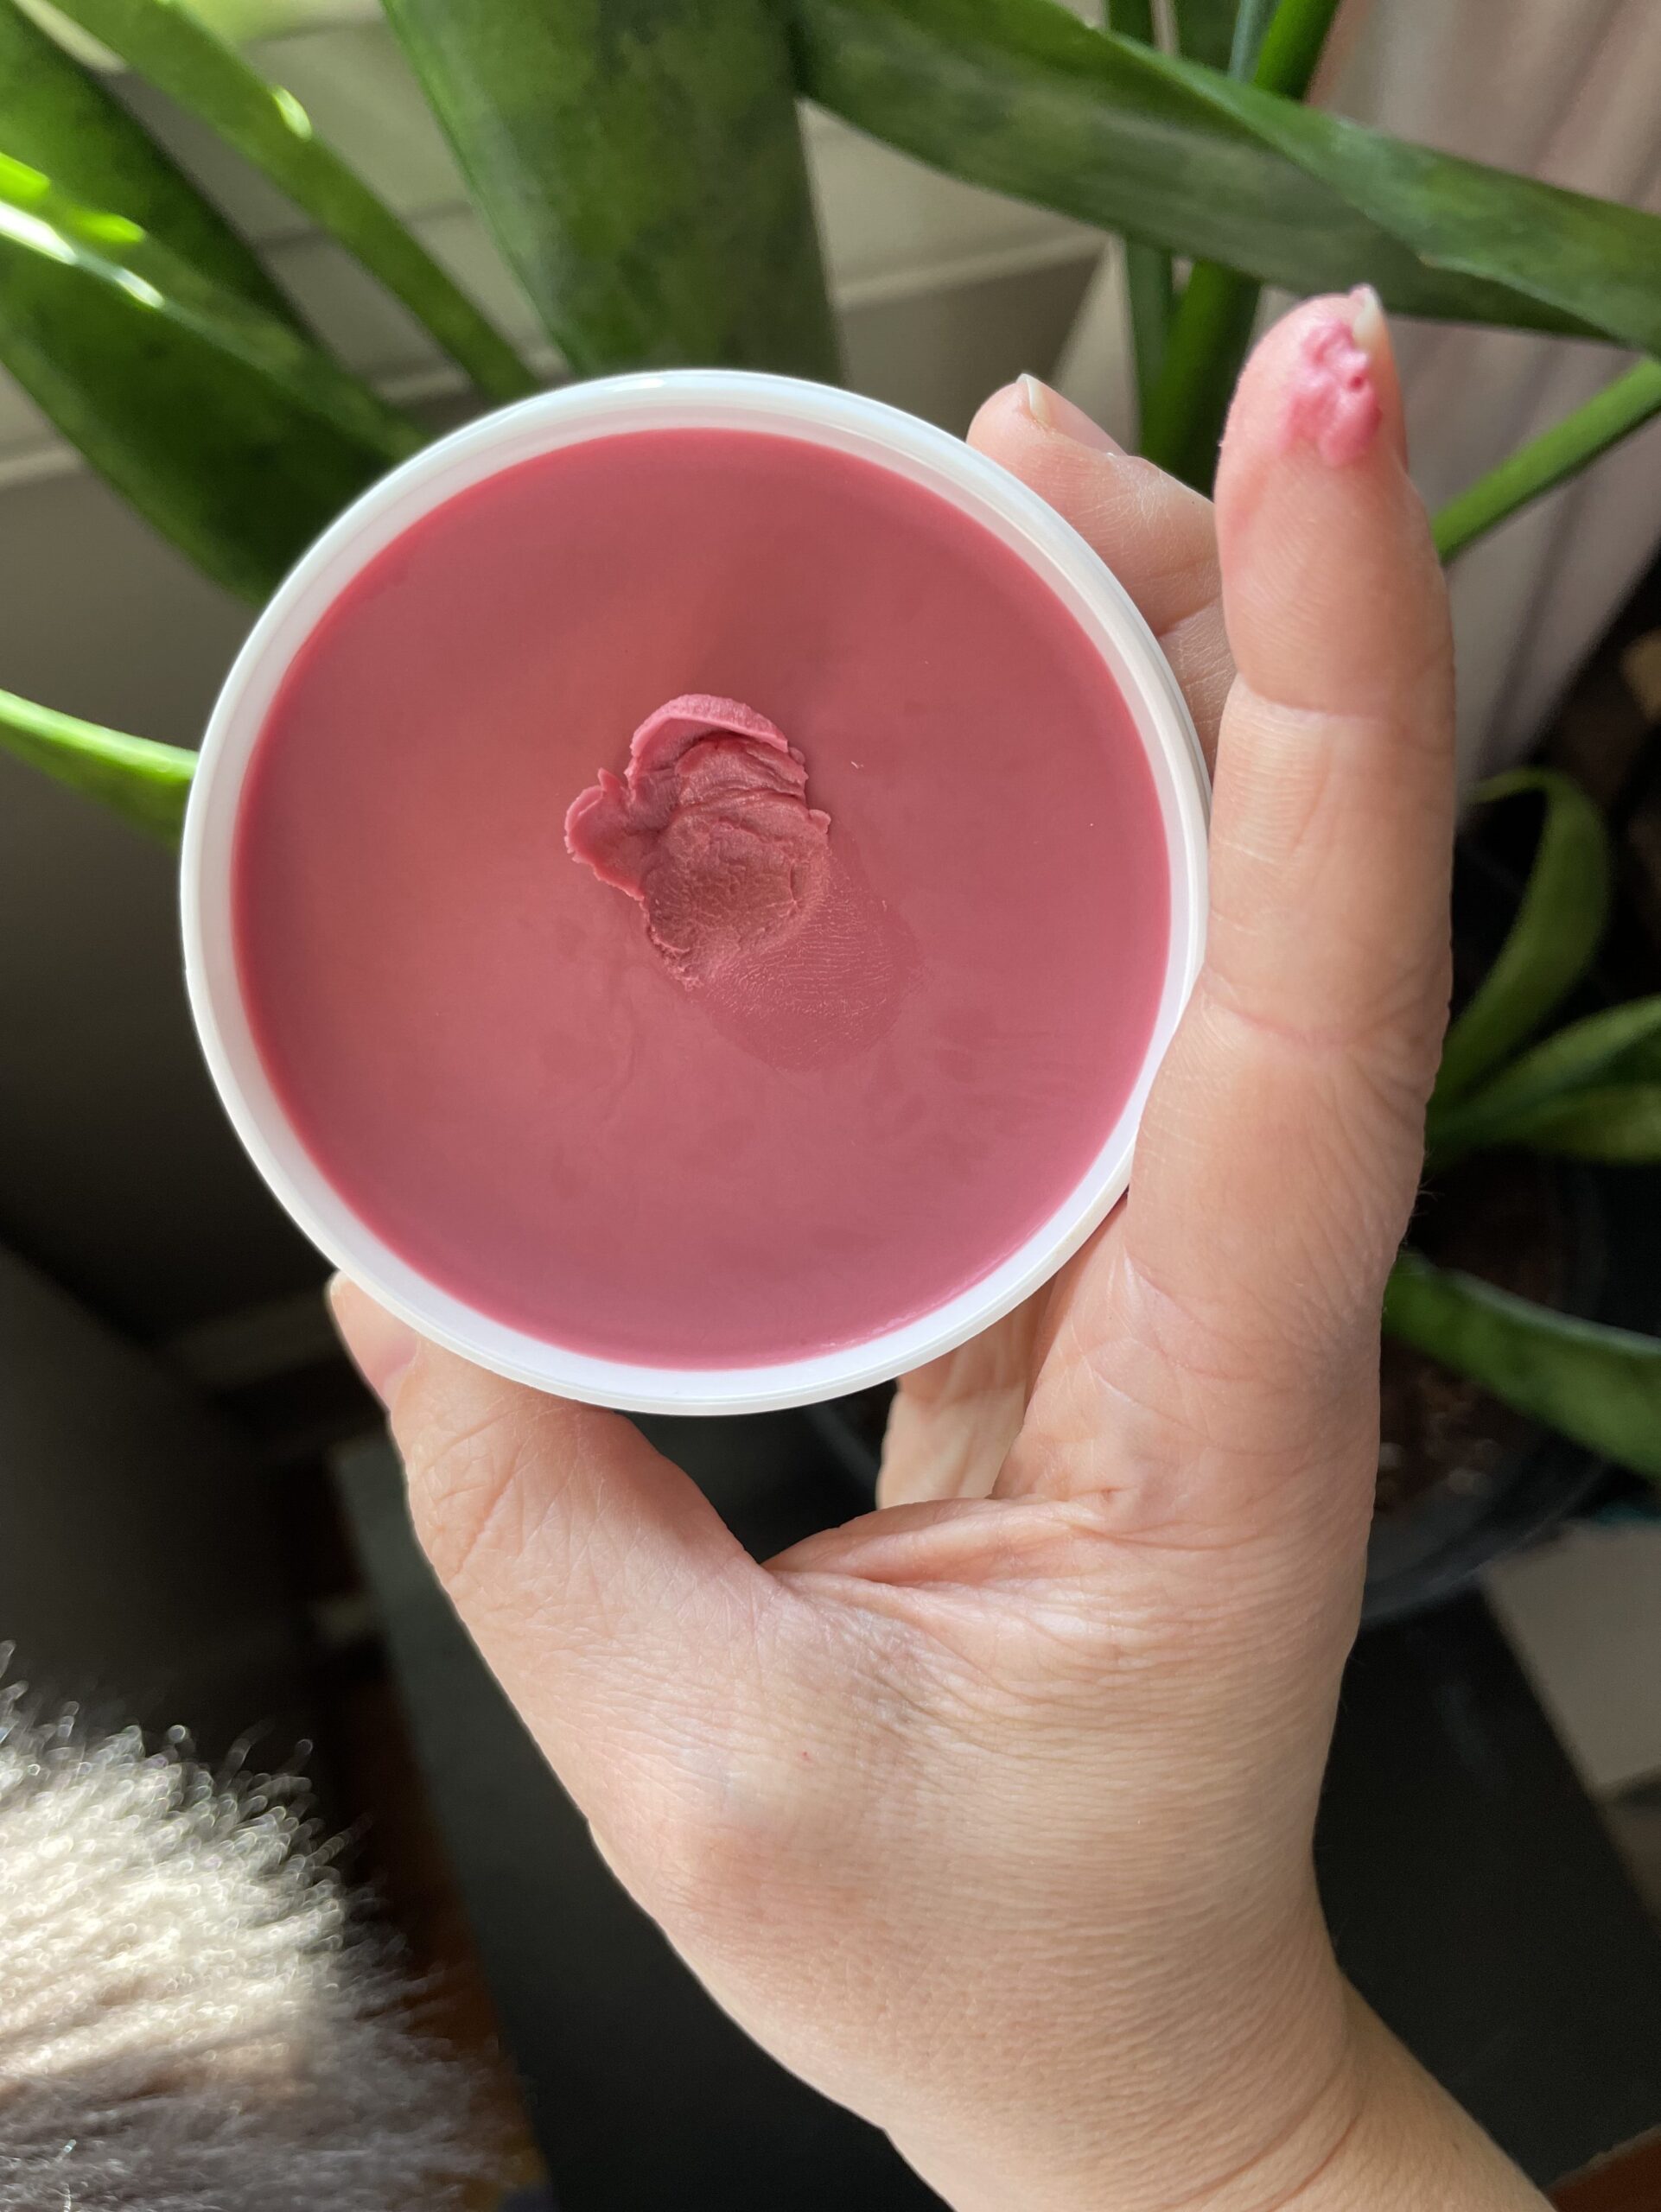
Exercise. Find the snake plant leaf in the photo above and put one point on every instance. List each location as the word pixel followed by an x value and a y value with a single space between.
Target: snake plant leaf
pixel 1600 1386
pixel 1204 30
pixel 641 167
pixel 1277 46
pixel 1638 1061
pixel 1616 1122
pixel 1211 331
pixel 1585 1056
pixel 1148 290
pixel 39 221
pixel 183 58
pixel 145 783
pixel 1562 451
pixel 1250 23
pixel 1593 261
pixel 59 119
pixel 1558 928
pixel 1021 96
pixel 229 430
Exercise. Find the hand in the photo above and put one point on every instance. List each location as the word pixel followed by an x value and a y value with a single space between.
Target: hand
pixel 990 1812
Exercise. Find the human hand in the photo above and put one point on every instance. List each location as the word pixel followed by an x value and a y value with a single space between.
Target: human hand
pixel 990 1812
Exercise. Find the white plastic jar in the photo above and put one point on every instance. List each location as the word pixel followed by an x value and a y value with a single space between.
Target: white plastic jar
pixel 689 400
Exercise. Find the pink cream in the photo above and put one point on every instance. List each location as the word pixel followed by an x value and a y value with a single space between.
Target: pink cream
pixel 591 1120
pixel 1332 404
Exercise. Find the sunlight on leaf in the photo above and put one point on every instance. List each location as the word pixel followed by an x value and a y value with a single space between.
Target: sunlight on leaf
pixel 186 60
pixel 291 112
pixel 145 783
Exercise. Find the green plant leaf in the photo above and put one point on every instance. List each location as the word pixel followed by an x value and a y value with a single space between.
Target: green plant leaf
pixel 1278 44
pixel 239 472
pixel 1251 22
pixel 1558 928
pixel 1616 1122
pixel 181 57
pixel 1275 44
pixel 1148 286
pixel 1204 30
pixel 145 783
pixel 1021 96
pixel 1561 1068
pixel 1640 1061
pixel 641 167
pixel 1600 1386
pixel 1557 454
pixel 41 222
pixel 231 431
pixel 1182 418
pixel 1150 299
pixel 59 119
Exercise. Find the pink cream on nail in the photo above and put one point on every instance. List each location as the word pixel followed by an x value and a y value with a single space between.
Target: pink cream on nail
pixel 1332 404
pixel 867 945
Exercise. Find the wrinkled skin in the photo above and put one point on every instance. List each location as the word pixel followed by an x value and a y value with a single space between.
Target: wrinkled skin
pixel 990 1812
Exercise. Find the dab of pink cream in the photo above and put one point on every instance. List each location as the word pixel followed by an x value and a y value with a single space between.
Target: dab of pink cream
pixel 1333 405
pixel 710 830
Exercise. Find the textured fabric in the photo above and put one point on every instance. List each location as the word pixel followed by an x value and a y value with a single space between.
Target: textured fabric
pixel 187 2021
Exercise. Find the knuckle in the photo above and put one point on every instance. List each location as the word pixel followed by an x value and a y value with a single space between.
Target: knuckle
pixel 1371 1028
pixel 699 1863
pixel 712 1842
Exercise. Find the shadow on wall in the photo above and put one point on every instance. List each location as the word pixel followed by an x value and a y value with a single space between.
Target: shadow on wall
pixel 141 1572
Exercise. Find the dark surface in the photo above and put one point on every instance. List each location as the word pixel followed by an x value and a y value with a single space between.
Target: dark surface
pixel 1476 1898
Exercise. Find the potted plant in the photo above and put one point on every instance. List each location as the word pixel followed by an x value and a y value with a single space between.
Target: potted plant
pixel 642 171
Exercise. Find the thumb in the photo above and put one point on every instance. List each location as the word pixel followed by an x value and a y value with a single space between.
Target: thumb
pixel 1289 1118
pixel 602 1589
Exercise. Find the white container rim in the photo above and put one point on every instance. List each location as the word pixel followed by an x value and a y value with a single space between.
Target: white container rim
pixel 675 399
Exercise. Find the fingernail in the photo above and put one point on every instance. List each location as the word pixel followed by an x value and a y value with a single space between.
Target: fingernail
pixel 1370 330
pixel 382 1347
pixel 1052 412
pixel 1367 326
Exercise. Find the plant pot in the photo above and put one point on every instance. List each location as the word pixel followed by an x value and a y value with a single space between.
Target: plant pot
pixel 1573 1235
pixel 1498 1481
pixel 1583 1245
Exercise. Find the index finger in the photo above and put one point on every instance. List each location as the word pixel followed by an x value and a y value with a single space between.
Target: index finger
pixel 1281 1147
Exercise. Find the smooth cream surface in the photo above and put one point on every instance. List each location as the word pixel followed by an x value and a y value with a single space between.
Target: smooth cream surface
pixel 889 930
